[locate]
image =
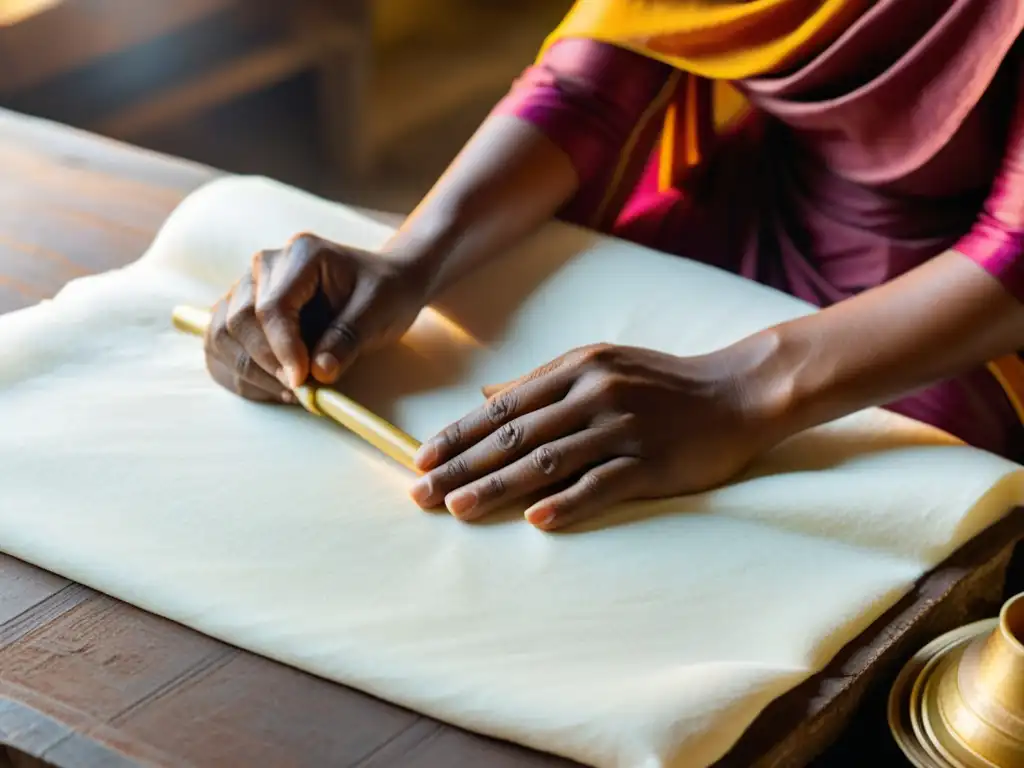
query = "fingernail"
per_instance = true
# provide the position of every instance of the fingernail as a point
(460, 503)
(426, 456)
(283, 377)
(540, 517)
(294, 379)
(421, 491)
(287, 396)
(328, 365)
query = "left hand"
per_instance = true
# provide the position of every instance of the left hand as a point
(596, 427)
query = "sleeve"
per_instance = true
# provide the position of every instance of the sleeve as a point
(603, 106)
(996, 241)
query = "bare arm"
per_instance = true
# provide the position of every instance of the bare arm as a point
(960, 310)
(935, 322)
(505, 183)
(557, 138)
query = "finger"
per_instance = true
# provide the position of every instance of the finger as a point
(232, 367)
(285, 283)
(244, 328)
(546, 465)
(340, 343)
(245, 370)
(226, 377)
(490, 390)
(223, 349)
(597, 489)
(509, 404)
(569, 359)
(500, 448)
(217, 330)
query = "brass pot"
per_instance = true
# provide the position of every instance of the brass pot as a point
(960, 702)
(978, 696)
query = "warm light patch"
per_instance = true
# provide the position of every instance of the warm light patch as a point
(13, 11)
(432, 323)
(1009, 372)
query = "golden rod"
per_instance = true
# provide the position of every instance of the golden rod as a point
(323, 401)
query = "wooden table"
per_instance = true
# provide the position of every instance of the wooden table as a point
(86, 680)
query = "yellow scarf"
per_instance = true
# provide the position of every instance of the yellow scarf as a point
(719, 40)
(716, 39)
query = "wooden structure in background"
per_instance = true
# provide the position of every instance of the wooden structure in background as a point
(162, 62)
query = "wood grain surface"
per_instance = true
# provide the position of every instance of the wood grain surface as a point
(86, 680)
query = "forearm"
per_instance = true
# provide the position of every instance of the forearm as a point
(505, 183)
(933, 323)
(553, 145)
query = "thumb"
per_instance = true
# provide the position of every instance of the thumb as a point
(490, 390)
(344, 337)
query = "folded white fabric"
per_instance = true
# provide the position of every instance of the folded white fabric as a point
(651, 641)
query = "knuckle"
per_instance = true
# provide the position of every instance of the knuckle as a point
(591, 484)
(238, 318)
(267, 308)
(604, 357)
(456, 469)
(247, 282)
(217, 327)
(609, 390)
(595, 354)
(260, 263)
(343, 333)
(546, 459)
(217, 338)
(303, 240)
(452, 436)
(501, 406)
(509, 436)
(243, 364)
(494, 487)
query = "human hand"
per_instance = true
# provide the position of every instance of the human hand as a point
(598, 426)
(307, 309)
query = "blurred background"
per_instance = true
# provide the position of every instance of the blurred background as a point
(364, 101)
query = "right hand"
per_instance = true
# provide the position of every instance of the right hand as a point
(306, 310)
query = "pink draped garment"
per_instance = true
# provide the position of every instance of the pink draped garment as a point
(810, 193)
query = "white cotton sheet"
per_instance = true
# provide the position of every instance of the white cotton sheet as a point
(652, 640)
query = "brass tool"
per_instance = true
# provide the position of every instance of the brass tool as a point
(959, 703)
(323, 401)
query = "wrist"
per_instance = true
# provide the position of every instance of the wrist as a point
(415, 270)
(764, 371)
(422, 248)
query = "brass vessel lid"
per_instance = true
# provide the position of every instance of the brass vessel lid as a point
(904, 710)
(959, 701)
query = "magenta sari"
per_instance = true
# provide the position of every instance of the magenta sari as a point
(905, 138)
